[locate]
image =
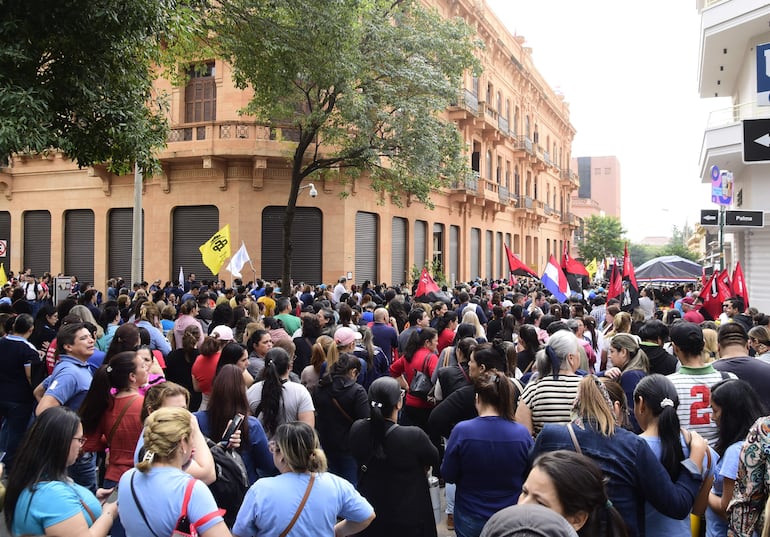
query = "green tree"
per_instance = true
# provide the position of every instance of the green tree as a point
(361, 84)
(641, 253)
(77, 76)
(602, 237)
(680, 250)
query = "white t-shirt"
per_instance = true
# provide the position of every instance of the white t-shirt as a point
(296, 399)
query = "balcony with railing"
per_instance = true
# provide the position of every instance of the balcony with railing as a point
(569, 178)
(504, 195)
(723, 138)
(502, 124)
(470, 183)
(526, 202)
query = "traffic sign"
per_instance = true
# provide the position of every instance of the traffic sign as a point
(745, 218)
(709, 217)
(756, 140)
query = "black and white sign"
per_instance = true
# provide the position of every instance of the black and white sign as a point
(709, 217)
(745, 218)
(756, 140)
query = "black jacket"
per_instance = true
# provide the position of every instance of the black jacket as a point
(660, 360)
(332, 424)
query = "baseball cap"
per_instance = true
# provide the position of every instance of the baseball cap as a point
(690, 301)
(222, 333)
(345, 336)
(529, 520)
(685, 334)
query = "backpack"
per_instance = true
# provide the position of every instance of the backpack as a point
(232, 480)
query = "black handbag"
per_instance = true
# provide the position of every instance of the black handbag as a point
(421, 384)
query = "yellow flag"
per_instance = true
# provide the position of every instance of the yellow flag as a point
(591, 267)
(3, 275)
(216, 250)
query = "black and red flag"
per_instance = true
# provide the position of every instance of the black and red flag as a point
(739, 284)
(516, 266)
(630, 299)
(577, 274)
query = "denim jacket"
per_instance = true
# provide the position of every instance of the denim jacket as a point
(635, 474)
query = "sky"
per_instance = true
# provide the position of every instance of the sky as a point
(629, 73)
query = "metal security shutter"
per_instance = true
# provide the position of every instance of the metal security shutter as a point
(121, 227)
(499, 252)
(306, 238)
(366, 247)
(37, 242)
(454, 253)
(5, 235)
(488, 245)
(420, 231)
(192, 226)
(475, 251)
(79, 244)
(754, 261)
(398, 250)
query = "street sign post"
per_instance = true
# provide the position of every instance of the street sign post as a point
(756, 140)
(745, 218)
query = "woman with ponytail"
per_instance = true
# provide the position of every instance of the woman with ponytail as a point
(305, 499)
(392, 461)
(275, 400)
(635, 474)
(655, 405)
(574, 486)
(152, 495)
(550, 398)
(630, 365)
(419, 355)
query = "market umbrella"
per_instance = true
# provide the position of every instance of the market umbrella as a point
(669, 268)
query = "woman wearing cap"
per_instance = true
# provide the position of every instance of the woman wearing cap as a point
(340, 401)
(392, 460)
(205, 367)
(276, 400)
(635, 474)
(630, 365)
(305, 499)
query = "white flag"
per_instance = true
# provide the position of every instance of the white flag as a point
(181, 277)
(240, 258)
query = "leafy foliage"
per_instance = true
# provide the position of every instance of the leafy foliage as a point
(602, 237)
(363, 84)
(77, 76)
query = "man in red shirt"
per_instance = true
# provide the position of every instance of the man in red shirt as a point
(691, 313)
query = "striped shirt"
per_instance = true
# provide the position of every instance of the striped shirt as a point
(550, 400)
(693, 385)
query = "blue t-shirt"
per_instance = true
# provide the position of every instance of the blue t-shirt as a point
(487, 457)
(69, 382)
(659, 524)
(727, 467)
(271, 503)
(52, 502)
(161, 493)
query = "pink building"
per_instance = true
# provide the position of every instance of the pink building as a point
(600, 182)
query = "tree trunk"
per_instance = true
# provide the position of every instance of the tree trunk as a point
(291, 209)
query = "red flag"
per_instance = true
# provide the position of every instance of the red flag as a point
(710, 294)
(572, 266)
(628, 268)
(724, 281)
(516, 266)
(616, 282)
(426, 284)
(739, 284)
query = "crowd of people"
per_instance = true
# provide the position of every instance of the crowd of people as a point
(255, 410)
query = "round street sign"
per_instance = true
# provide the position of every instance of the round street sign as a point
(714, 172)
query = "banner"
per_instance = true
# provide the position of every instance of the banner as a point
(216, 250)
(555, 280)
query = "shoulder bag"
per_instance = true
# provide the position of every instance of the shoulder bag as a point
(285, 532)
(421, 384)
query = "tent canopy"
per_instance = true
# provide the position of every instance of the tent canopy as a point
(669, 268)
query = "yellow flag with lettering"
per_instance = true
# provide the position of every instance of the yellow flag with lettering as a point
(592, 267)
(3, 275)
(216, 250)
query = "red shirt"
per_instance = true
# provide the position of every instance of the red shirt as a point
(124, 439)
(402, 367)
(203, 371)
(445, 339)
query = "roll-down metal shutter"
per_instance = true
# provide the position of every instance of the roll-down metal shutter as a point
(79, 244)
(454, 253)
(475, 252)
(306, 238)
(192, 226)
(398, 250)
(499, 252)
(420, 231)
(366, 247)
(488, 253)
(5, 235)
(121, 227)
(37, 242)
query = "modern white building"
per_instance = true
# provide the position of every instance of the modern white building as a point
(730, 32)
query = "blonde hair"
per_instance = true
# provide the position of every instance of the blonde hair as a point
(158, 393)
(300, 448)
(621, 324)
(710, 345)
(593, 404)
(470, 317)
(250, 329)
(164, 431)
(85, 315)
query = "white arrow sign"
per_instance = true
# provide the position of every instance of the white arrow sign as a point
(764, 140)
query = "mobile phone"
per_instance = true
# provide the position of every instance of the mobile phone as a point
(113, 497)
(236, 422)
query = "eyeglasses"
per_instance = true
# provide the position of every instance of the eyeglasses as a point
(81, 439)
(273, 447)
